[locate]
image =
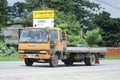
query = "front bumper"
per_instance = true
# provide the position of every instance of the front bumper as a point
(35, 56)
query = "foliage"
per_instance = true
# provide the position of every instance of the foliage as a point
(76, 40)
(1, 37)
(66, 22)
(110, 29)
(5, 51)
(69, 23)
(17, 9)
(93, 37)
(82, 9)
(70, 15)
(16, 12)
(18, 21)
(27, 19)
(3, 12)
(33, 4)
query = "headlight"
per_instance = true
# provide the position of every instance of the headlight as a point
(21, 51)
(42, 51)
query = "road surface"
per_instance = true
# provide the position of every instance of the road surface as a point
(106, 70)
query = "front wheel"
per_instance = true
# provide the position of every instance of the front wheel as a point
(90, 61)
(54, 61)
(28, 61)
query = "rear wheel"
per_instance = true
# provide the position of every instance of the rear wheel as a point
(28, 62)
(54, 61)
(90, 61)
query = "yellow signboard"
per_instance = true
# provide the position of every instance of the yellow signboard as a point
(43, 14)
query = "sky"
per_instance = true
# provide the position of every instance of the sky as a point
(111, 6)
(11, 2)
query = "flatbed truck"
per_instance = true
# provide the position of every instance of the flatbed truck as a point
(49, 45)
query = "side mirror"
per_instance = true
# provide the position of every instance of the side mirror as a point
(48, 30)
(19, 32)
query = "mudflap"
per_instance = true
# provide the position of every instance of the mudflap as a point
(97, 59)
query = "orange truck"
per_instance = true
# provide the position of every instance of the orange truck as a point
(49, 45)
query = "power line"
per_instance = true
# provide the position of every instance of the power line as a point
(108, 4)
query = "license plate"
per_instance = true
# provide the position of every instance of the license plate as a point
(30, 55)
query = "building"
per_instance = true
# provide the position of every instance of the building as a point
(11, 33)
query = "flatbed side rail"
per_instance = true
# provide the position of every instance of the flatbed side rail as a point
(86, 50)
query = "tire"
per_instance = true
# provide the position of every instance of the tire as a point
(54, 61)
(68, 62)
(28, 62)
(90, 61)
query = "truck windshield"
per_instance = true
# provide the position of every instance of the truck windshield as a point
(34, 35)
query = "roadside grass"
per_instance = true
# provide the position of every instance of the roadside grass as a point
(10, 58)
(111, 58)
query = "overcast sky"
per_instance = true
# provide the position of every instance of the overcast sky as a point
(112, 6)
(11, 2)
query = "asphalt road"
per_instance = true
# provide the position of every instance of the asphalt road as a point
(106, 70)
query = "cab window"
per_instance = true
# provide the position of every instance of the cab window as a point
(53, 35)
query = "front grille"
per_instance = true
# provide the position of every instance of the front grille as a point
(31, 52)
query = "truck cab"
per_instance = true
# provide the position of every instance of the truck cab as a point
(42, 45)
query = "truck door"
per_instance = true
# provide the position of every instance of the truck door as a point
(63, 40)
(54, 39)
(58, 39)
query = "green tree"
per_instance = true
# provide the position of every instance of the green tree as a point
(33, 4)
(69, 14)
(76, 39)
(82, 9)
(110, 29)
(93, 37)
(27, 19)
(69, 23)
(3, 12)
(18, 8)
(16, 11)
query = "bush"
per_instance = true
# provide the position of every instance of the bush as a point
(76, 40)
(93, 37)
(5, 51)
(1, 38)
